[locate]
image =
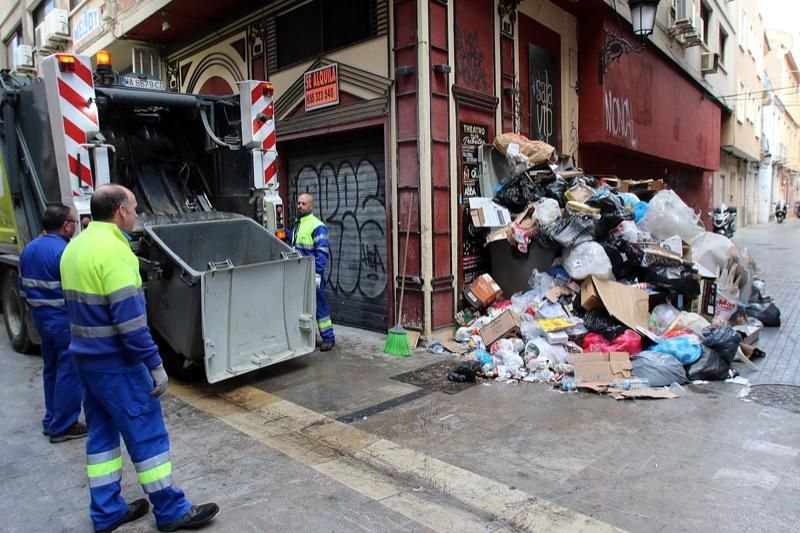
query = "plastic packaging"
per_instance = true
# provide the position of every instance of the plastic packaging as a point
(677, 389)
(601, 322)
(709, 367)
(588, 259)
(463, 334)
(624, 258)
(465, 372)
(580, 192)
(724, 340)
(612, 211)
(769, 314)
(686, 349)
(569, 384)
(689, 321)
(711, 250)
(635, 384)
(660, 369)
(629, 198)
(680, 279)
(483, 358)
(663, 316)
(629, 342)
(640, 211)
(668, 215)
(547, 212)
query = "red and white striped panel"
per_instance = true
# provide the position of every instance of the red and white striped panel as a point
(79, 114)
(258, 125)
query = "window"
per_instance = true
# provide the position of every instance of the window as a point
(705, 20)
(73, 4)
(743, 26)
(740, 103)
(14, 40)
(322, 26)
(146, 61)
(41, 11)
(723, 42)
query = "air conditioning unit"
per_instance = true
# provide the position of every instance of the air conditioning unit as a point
(22, 59)
(684, 12)
(43, 47)
(56, 27)
(709, 63)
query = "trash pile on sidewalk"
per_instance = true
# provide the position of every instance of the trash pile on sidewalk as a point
(623, 296)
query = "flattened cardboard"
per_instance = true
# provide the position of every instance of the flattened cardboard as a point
(653, 394)
(487, 214)
(454, 347)
(627, 304)
(507, 324)
(602, 368)
(554, 293)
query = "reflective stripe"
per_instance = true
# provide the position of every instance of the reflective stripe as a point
(107, 331)
(155, 486)
(105, 479)
(104, 468)
(102, 457)
(28, 282)
(151, 463)
(100, 299)
(46, 303)
(155, 474)
(325, 324)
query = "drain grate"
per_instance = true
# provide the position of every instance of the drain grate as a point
(776, 395)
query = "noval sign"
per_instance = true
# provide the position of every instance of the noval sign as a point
(322, 87)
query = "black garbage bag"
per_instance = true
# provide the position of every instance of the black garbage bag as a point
(572, 229)
(660, 369)
(518, 192)
(612, 212)
(555, 188)
(724, 340)
(544, 241)
(757, 295)
(598, 321)
(710, 366)
(465, 372)
(769, 314)
(679, 279)
(624, 257)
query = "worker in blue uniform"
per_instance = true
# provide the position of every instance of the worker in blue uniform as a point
(310, 238)
(121, 371)
(40, 284)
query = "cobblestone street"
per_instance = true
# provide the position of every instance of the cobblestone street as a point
(775, 249)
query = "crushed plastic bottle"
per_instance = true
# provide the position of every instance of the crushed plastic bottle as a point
(636, 383)
(569, 384)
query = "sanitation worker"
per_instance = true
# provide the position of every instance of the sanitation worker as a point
(41, 284)
(310, 238)
(121, 371)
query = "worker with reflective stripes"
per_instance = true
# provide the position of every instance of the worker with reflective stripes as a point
(121, 371)
(40, 284)
(310, 238)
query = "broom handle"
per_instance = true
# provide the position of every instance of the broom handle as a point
(405, 262)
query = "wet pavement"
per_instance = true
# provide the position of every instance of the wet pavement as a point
(331, 442)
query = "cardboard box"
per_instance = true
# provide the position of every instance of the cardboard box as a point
(640, 186)
(487, 214)
(597, 368)
(627, 304)
(505, 325)
(482, 292)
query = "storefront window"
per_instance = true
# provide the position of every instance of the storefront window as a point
(322, 26)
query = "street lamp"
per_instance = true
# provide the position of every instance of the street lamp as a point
(643, 19)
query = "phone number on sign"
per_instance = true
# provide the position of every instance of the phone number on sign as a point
(324, 95)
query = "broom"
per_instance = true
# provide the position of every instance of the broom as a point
(397, 342)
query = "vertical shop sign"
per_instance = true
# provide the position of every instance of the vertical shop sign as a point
(543, 95)
(474, 260)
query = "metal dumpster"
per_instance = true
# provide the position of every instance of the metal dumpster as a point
(229, 294)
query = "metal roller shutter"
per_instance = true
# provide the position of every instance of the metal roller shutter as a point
(345, 174)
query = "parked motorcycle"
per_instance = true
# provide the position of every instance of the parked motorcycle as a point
(780, 212)
(723, 220)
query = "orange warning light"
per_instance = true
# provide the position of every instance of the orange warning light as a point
(266, 89)
(66, 63)
(103, 60)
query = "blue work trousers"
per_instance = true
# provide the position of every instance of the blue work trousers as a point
(117, 402)
(62, 388)
(324, 322)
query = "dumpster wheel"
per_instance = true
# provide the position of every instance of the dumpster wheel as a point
(176, 364)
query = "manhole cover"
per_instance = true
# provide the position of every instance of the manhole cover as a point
(434, 377)
(781, 396)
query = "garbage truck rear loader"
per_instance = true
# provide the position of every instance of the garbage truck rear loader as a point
(224, 293)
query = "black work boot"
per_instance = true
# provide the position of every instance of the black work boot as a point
(326, 346)
(198, 516)
(76, 431)
(136, 510)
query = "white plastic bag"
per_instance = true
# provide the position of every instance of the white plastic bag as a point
(668, 215)
(547, 212)
(711, 250)
(587, 259)
(663, 317)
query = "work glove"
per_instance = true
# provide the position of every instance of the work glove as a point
(160, 379)
(317, 279)
(727, 291)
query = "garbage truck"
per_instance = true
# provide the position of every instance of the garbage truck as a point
(225, 294)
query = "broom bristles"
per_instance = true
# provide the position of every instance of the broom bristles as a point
(397, 342)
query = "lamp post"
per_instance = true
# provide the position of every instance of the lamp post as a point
(643, 19)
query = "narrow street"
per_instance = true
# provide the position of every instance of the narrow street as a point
(333, 443)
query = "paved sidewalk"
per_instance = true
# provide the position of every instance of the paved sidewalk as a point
(776, 249)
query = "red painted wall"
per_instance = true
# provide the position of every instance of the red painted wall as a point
(644, 103)
(474, 42)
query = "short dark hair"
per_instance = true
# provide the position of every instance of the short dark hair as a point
(54, 217)
(106, 200)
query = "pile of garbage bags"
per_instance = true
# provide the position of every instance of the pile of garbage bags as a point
(634, 274)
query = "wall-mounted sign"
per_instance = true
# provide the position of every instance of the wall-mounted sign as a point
(86, 26)
(542, 76)
(473, 136)
(322, 87)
